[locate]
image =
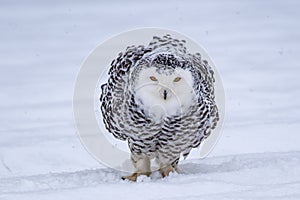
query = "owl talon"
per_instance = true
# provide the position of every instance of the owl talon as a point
(165, 171)
(132, 177)
(135, 175)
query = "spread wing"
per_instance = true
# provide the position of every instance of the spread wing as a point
(205, 89)
(113, 92)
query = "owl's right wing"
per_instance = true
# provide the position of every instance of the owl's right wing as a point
(114, 91)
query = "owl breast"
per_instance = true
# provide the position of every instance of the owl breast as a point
(157, 108)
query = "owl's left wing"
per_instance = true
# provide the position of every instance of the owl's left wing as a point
(205, 85)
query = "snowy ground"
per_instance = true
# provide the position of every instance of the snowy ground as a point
(255, 46)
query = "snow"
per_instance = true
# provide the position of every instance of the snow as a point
(247, 176)
(255, 46)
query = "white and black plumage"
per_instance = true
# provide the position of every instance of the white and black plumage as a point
(160, 98)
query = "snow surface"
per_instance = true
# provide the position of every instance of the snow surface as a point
(255, 46)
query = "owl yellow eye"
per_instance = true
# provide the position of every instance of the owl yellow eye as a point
(177, 79)
(153, 78)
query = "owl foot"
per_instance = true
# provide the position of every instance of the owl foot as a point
(134, 176)
(165, 171)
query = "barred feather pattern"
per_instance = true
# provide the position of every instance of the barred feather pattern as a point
(175, 135)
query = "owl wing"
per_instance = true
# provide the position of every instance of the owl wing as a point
(114, 91)
(204, 88)
(167, 43)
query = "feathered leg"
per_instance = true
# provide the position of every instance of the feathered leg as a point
(165, 167)
(142, 166)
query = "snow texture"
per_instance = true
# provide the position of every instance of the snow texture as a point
(255, 46)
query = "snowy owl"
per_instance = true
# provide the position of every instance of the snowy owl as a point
(160, 98)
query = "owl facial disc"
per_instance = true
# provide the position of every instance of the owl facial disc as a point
(171, 90)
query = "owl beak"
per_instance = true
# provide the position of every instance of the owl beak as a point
(165, 93)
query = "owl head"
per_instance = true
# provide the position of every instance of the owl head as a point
(163, 85)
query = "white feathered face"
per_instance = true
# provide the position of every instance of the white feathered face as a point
(165, 93)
